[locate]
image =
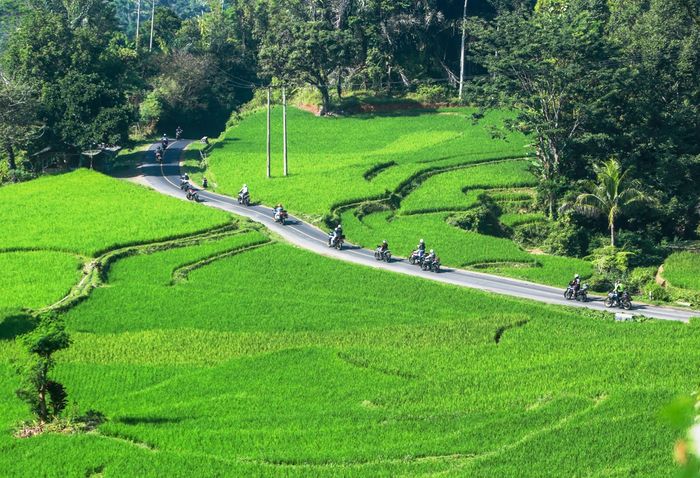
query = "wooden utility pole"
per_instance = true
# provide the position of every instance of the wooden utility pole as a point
(153, 20)
(138, 22)
(461, 59)
(268, 132)
(284, 129)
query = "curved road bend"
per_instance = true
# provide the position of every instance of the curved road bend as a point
(165, 179)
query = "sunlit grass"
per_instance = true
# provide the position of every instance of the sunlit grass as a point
(682, 269)
(246, 369)
(86, 212)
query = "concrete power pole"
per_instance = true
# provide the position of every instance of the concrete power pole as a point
(153, 20)
(138, 23)
(461, 59)
(284, 129)
(268, 132)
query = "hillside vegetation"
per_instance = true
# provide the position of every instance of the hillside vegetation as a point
(400, 177)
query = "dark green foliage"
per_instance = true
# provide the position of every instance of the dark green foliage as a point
(566, 238)
(483, 218)
(81, 89)
(46, 398)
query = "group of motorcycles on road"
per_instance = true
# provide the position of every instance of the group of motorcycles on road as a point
(618, 297)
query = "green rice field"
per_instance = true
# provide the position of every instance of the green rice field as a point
(682, 269)
(238, 355)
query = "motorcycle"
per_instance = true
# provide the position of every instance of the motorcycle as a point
(432, 265)
(619, 300)
(178, 134)
(184, 184)
(281, 216)
(382, 255)
(244, 199)
(581, 295)
(159, 156)
(335, 241)
(416, 258)
(193, 195)
(164, 143)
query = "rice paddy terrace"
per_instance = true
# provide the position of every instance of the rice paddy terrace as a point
(215, 349)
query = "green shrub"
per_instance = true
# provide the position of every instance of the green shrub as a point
(640, 278)
(531, 234)
(566, 239)
(482, 219)
(430, 94)
(151, 110)
(654, 291)
(611, 262)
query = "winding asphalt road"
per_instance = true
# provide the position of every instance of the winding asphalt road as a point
(165, 179)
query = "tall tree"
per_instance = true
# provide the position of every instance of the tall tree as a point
(609, 195)
(19, 122)
(82, 88)
(303, 46)
(556, 69)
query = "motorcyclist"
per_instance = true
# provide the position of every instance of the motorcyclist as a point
(178, 132)
(336, 234)
(164, 141)
(431, 256)
(384, 247)
(575, 284)
(279, 209)
(421, 248)
(243, 193)
(618, 290)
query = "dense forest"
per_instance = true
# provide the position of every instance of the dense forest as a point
(592, 82)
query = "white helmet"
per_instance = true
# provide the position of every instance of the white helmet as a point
(576, 276)
(384, 241)
(245, 185)
(421, 241)
(432, 251)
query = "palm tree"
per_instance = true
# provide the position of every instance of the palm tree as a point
(609, 195)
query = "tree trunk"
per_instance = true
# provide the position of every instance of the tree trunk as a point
(10, 157)
(612, 234)
(339, 86)
(43, 379)
(325, 108)
(461, 55)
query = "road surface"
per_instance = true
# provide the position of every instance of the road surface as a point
(165, 178)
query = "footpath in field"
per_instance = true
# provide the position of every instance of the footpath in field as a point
(215, 350)
(165, 177)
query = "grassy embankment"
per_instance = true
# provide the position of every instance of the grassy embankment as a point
(682, 269)
(397, 177)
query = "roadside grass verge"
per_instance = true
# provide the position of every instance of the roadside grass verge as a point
(460, 248)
